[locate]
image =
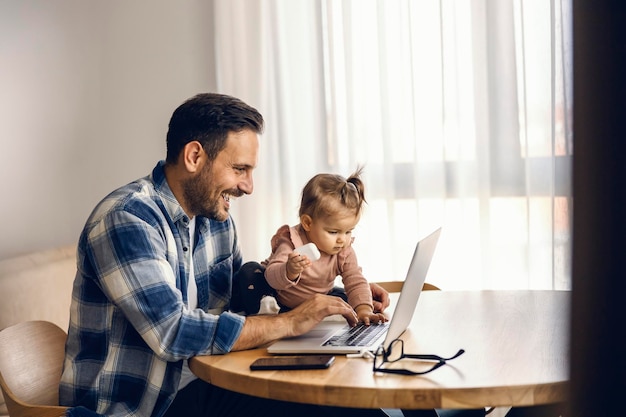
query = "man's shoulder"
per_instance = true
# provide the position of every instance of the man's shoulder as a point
(133, 206)
(145, 194)
(132, 196)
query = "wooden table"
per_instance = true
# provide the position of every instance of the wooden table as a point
(516, 345)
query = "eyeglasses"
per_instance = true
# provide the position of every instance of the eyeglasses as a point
(396, 353)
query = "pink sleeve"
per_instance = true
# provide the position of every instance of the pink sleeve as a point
(276, 264)
(356, 286)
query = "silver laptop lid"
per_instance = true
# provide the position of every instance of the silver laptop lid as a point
(412, 287)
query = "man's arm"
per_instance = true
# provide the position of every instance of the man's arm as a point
(127, 259)
(259, 330)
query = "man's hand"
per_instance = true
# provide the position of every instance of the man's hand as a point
(259, 330)
(308, 314)
(380, 297)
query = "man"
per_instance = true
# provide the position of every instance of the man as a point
(154, 280)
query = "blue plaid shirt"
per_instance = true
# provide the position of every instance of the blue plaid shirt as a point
(130, 329)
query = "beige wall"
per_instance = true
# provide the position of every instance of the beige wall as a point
(86, 91)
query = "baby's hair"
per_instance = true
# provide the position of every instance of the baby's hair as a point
(326, 194)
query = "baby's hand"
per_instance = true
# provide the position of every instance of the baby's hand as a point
(296, 263)
(367, 316)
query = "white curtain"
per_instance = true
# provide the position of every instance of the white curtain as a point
(460, 112)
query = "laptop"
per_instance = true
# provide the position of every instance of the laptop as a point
(331, 336)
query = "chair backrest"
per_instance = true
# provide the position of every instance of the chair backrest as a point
(396, 286)
(31, 361)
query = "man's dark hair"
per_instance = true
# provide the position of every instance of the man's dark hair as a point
(209, 118)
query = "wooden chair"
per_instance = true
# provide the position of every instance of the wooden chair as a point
(396, 286)
(31, 359)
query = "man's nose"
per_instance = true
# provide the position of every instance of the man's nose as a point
(247, 184)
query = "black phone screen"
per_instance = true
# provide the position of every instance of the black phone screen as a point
(293, 362)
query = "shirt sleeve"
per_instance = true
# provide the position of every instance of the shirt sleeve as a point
(133, 264)
(276, 265)
(356, 286)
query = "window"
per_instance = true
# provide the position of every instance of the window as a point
(460, 112)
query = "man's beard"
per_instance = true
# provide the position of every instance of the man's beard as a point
(201, 199)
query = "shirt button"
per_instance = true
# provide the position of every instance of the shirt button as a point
(185, 249)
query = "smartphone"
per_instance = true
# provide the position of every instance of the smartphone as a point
(293, 362)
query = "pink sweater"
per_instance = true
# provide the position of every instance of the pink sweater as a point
(319, 278)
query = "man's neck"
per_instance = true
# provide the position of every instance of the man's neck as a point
(174, 180)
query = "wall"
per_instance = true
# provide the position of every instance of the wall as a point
(86, 91)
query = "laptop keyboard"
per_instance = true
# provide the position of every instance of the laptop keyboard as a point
(360, 335)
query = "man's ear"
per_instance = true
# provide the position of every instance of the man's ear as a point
(193, 156)
(305, 221)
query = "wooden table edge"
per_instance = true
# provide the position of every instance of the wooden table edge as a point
(375, 397)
